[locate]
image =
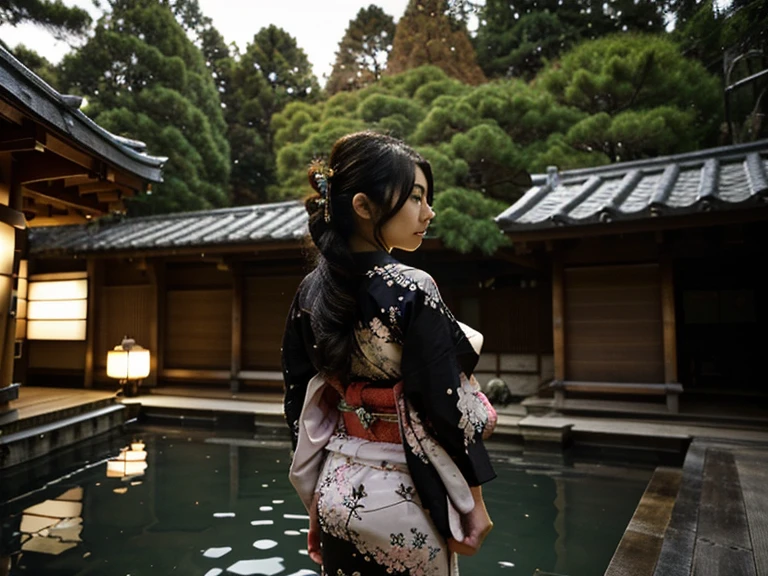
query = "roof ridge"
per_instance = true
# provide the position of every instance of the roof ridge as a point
(719, 152)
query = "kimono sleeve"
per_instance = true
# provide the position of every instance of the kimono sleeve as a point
(297, 364)
(436, 354)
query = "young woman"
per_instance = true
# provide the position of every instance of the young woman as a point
(387, 420)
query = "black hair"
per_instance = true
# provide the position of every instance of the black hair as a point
(384, 169)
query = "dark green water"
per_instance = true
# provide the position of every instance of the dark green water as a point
(230, 498)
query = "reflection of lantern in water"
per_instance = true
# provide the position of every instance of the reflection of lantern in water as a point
(53, 526)
(132, 461)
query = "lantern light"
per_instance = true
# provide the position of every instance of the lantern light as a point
(129, 363)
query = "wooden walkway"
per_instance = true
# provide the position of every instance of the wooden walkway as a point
(34, 402)
(717, 525)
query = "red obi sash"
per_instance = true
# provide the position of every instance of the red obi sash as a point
(370, 413)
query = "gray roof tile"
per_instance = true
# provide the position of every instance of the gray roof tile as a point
(717, 179)
(243, 225)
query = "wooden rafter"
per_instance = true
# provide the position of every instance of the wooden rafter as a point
(21, 145)
(36, 167)
(56, 195)
(11, 113)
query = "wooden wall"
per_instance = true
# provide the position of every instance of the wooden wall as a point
(613, 323)
(207, 321)
(265, 308)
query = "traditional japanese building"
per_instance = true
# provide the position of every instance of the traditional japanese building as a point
(56, 167)
(208, 293)
(657, 270)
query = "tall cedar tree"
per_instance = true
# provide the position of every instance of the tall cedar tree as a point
(363, 51)
(428, 35)
(514, 39)
(145, 79)
(61, 20)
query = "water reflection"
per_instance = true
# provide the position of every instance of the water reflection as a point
(130, 463)
(53, 526)
(206, 509)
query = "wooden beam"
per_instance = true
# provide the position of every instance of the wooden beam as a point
(11, 113)
(668, 319)
(156, 272)
(558, 319)
(64, 150)
(158, 319)
(21, 145)
(71, 218)
(56, 195)
(238, 293)
(517, 260)
(36, 167)
(95, 282)
(109, 196)
(96, 187)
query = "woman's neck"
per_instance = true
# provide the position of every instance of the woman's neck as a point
(358, 243)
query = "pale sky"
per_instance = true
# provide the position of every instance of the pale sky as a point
(317, 25)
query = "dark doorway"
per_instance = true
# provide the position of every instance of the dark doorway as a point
(722, 321)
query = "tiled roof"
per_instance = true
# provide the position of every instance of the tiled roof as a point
(716, 179)
(283, 221)
(26, 90)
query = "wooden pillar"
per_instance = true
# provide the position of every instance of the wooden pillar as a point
(558, 320)
(95, 269)
(11, 220)
(238, 290)
(668, 320)
(157, 321)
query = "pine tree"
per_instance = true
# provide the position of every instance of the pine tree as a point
(363, 51)
(642, 96)
(428, 35)
(145, 79)
(61, 20)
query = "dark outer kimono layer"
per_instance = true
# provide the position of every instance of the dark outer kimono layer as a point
(405, 333)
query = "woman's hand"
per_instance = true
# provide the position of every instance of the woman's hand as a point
(313, 537)
(477, 524)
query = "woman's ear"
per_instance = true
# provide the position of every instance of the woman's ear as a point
(362, 206)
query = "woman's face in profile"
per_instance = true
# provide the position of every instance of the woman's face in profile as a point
(406, 229)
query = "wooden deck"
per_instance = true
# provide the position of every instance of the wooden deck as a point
(34, 401)
(718, 525)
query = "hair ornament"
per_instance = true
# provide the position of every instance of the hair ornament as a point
(322, 176)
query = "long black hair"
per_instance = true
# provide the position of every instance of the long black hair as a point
(384, 169)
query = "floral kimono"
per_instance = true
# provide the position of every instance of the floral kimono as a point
(384, 507)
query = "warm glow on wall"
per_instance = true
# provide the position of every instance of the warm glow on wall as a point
(58, 310)
(58, 290)
(7, 247)
(56, 330)
(21, 301)
(57, 306)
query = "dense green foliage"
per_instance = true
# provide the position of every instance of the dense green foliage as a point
(54, 15)
(517, 38)
(617, 98)
(642, 97)
(573, 85)
(145, 79)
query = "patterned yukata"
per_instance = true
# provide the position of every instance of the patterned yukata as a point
(388, 508)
